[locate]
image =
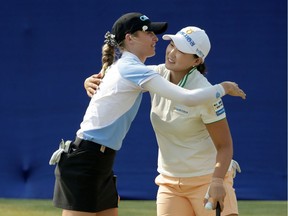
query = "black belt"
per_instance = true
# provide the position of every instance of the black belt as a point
(80, 143)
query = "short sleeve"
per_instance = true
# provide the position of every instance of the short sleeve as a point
(213, 111)
(138, 74)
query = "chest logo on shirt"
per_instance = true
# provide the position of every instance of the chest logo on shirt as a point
(218, 107)
(181, 110)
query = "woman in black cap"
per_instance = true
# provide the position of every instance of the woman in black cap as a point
(84, 173)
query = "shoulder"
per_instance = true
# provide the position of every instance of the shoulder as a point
(134, 70)
(160, 69)
(198, 80)
(131, 66)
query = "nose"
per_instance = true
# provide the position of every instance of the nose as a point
(155, 38)
(172, 51)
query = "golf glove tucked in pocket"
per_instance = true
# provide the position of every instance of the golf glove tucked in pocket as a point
(234, 167)
(63, 147)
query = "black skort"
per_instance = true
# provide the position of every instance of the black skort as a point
(85, 180)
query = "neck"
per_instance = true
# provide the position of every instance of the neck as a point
(140, 57)
(177, 77)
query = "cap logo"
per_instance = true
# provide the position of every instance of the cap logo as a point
(189, 31)
(144, 28)
(190, 41)
(187, 38)
(143, 18)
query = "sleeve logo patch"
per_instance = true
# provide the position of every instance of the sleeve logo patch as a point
(218, 107)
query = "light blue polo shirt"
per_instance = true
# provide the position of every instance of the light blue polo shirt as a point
(114, 107)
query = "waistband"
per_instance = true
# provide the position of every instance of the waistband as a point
(80, 143)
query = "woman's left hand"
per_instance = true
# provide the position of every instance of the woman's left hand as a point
(91, 84)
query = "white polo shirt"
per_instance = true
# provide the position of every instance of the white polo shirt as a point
(185, 147)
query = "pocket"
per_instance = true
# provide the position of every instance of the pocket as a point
(166, 180)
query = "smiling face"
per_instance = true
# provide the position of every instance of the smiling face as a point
(178, 61)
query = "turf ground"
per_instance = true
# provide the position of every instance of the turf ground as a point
(14, 207)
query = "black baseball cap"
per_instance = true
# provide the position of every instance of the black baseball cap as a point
(132, 22)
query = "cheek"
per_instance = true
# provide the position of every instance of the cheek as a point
(180, 59)
(168, 50)
(184, 62)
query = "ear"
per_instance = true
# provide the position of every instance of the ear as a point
(198, 61)
(128, 37)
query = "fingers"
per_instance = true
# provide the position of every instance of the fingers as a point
(91, 84)
(90, 92)
(242, 94)
(221, 203)
(205, 203)
(239, 92)
(232, 89)
(90, 89)
(236, 91)
(97, 76)
(213, 205)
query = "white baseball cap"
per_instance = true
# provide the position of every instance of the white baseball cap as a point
(191, 40)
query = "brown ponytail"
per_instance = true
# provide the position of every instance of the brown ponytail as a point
(108, 51)
(108, 56)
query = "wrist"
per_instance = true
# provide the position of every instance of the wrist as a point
(222, 89)
(225, 86)
(217, 180)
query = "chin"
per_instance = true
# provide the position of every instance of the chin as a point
(169, 65)
(169, 68)
(152, 54)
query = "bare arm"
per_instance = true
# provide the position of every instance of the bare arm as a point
(221, 137)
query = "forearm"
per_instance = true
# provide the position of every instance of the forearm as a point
(220, 134)
(223, 160)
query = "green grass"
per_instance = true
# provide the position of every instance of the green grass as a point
(263, 208)
(14, 207)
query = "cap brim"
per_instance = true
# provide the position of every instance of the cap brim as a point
(158, 27)
(179, 43)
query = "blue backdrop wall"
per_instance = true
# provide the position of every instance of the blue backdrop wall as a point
(48, 48)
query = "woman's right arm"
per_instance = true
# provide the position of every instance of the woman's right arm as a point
(164, 88)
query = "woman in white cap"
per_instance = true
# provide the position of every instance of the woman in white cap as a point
(195, 144)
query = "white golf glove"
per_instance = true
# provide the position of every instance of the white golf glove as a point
(63, 147)
(235, 167)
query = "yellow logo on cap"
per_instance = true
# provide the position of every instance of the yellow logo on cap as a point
(189, 31)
